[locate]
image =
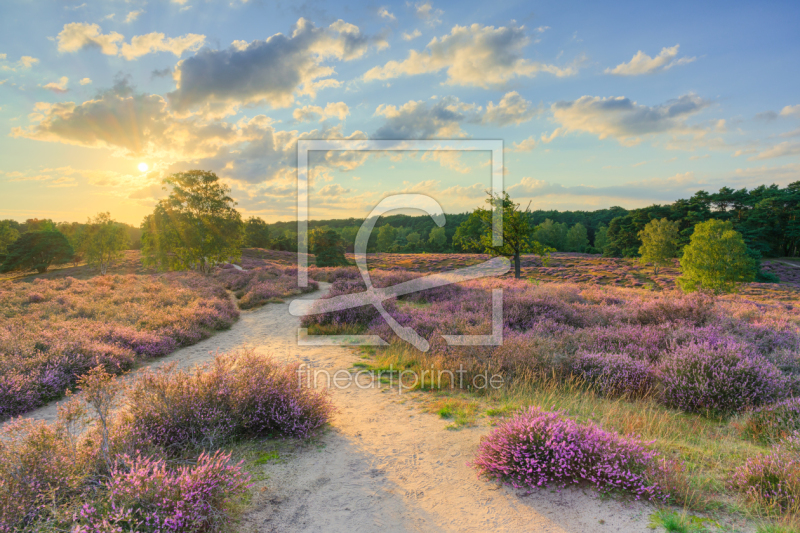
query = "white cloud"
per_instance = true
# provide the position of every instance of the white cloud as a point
(338, 110)
(428, 13)
(779, 150)
(481, 56)
(333, 190)
(642, 63)
(386, 14)
(25, 62)
(410, 36)
(59, 87)
(425, 120)
(273, 71)
(680, 185)
(791, 111)
(525, 145)
(77, 36)
(155, 42)
(512, 109)
(133, 15)
(86, 81)
(624, 119)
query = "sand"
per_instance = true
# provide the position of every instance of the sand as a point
(384, 465)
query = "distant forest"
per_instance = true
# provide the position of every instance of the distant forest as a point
(768, 217)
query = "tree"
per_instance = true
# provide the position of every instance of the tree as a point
(716, 259)
(516, 231)
(437, 238)
(468, 235)
(103, 241)
(386, 237)
(256, 233)
(348, 235)
(577, 238)
(328, 248)
(8, 234)
(195, 227)
(413, 238)
(659, 242)
(601, 238)
(37, 250)
(552, 234)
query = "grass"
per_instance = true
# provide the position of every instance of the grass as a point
(462, 411)
(680, 522)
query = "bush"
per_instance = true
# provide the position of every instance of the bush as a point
(37, 250)
(536, 448)
(718, 378)
(772, 481)
(615, 374)
(240, 394)
(772, 423)
(146, 492)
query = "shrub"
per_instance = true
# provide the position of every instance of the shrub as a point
(145, 492)
(771, 423)
(536, 448)
(772, 481)
(240, 394)
(615, 374)
(718, 378)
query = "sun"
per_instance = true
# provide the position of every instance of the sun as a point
(143, 167)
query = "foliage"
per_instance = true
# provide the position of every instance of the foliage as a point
(54, 331)
(771, 423)
(659, 242)
(386, 237)
(772, 481)
(716, 259)
(195, 227)
(516, 231)
(719, 378)
(8, 234)
(256, 233)
(328, 248)
(601, 238)
(577, 238)
(437, 238)
(102, 241)
(537, 448)
(37, 250)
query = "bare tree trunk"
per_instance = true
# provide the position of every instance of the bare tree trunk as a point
(517, 273)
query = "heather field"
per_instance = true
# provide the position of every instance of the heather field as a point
(666, 396)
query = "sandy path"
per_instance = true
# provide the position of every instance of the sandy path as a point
(386, 466)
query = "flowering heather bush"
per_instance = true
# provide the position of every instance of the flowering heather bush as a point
(144, 494)
(537, 448)
(719, 378)
(71, 326)
(772, 481)
(615, 374)
(240, 394)
(774, 422)
(263, 284)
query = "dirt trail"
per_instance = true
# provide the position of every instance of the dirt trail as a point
(386, 466)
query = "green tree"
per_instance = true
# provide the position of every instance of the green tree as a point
(552, 234)
(36, 224)
(386, 237)
(577, 238)
(516, 231)
(256, 233)
(659, 242)
(103, 241)
(716, 259)
(601, 238)
(413, 238)
(37, 250)
(8, 234)
(467, 237)
(328, 248)
(437, 239)
(348, 234)
(195, 227)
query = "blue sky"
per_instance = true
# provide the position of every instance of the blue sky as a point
(597, 106)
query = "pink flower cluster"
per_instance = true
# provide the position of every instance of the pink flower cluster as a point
(267, 283)
(537, 448)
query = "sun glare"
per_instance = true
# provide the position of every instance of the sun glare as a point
(143, 167)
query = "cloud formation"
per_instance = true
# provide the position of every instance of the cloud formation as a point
(25, 62)
(624, 119)
(642, 63)
(440, 119)
(512, 109)
(338, 110)
(271, 72)
(58, 87)
(476, 55)
(791, 111)
(779, 150)
(80, 35)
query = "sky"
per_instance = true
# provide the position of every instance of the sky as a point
(596, 105)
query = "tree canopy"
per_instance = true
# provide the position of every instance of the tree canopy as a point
(37, 250)
(102, 241)
(195, 227)
(659, 242)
